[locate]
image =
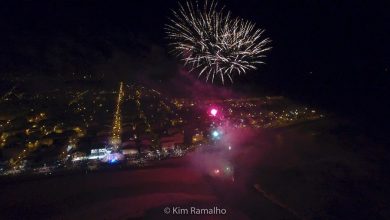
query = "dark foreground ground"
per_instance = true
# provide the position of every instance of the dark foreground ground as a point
(317, 170)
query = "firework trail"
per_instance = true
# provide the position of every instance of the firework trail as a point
(210, 41)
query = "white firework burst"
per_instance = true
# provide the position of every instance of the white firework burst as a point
(210, 41)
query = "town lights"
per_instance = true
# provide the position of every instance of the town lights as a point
(116, 129)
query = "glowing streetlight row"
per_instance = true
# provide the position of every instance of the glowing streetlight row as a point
(116, 130)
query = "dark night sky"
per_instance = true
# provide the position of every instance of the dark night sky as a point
(330, 53)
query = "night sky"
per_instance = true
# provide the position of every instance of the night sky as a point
(333, 54)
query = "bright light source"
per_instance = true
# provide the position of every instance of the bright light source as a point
(215, 133)
(214, 112)
(216, 171)
(230, 147)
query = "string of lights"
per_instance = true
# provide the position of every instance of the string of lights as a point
(117, 127)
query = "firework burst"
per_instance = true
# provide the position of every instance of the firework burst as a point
(210, 41)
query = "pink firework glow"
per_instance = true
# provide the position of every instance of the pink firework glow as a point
(214, 112)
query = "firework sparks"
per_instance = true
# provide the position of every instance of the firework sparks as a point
(214, 112)
(210, 41)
